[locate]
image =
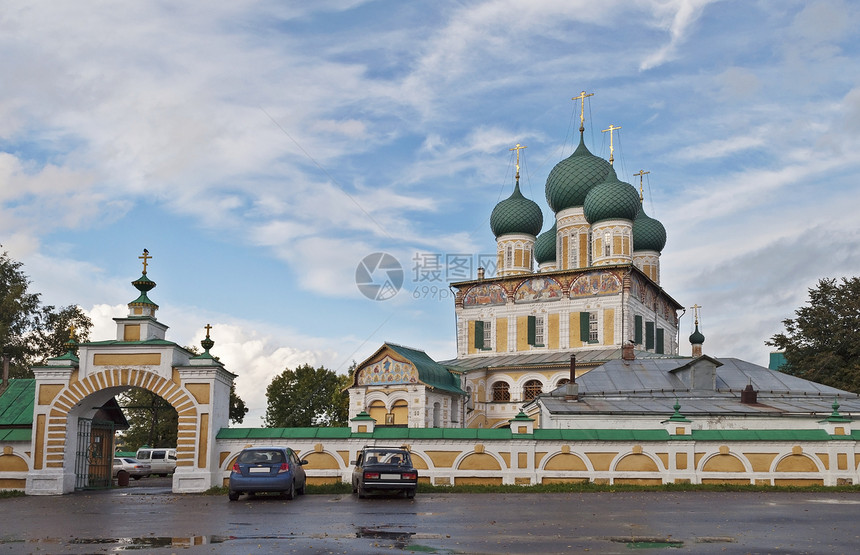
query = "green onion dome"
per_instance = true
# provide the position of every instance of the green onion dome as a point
(571, 179)
(516, 214)
(696, 338)
(648, 233)
(545, 246)
(611, 200)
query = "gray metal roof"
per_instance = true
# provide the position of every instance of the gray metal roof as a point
(537, 359)
(651, 386)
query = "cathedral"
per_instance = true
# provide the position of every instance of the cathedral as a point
(561, 302)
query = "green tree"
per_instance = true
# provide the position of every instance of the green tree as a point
(307, 397)
(152, 420)
(238, 410)
(822, 342)
(31, 333)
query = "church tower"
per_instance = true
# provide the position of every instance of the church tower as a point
(515, 222)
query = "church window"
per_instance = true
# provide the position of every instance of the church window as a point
(607, 244)
(649, 335)
(532, 389)
(509, 256)
(573, 254)
(592, 327)
(484, 335)
(501, 392)
(563, 381)
(637, 329)
(536, 326)
(658, 345)
(584, 326)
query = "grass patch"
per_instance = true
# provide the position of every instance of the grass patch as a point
(11, 493)
(586, 487)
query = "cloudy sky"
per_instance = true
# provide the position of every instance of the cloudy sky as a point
(260, 150)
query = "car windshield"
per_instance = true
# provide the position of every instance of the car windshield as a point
(386, 456)
(261, 456)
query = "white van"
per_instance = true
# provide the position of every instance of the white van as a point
(161, 459)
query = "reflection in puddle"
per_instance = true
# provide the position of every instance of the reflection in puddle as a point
(399, 538)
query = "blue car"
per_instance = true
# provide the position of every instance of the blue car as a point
(267, 469)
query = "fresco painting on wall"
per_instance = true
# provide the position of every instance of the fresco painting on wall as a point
(485, 294)
(595, 283)
(539, 289)
(388, 371)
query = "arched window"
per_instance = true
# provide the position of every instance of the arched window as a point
(501, 392)
(562, 382)
(532, 389)
(437, 415)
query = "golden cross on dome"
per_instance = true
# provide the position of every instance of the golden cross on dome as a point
(582, 96)
(696, 308)
(71, 331)
(518, 148)
(145, 257)
(611, 147)
(207, 327)
(640, 174)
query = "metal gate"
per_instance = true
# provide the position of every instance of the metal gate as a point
(94, 455)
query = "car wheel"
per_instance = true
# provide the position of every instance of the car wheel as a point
(135, 477)
(233, 495)
(291, 493)
(301, 490)
(361, 493)
(410, 494)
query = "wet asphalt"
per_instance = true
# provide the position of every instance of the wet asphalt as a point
(147, 518)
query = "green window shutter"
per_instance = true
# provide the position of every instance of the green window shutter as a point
(659, 347)
(637, 329)
(479, 334)
(532, 329)
(584, 327)
(649, 335)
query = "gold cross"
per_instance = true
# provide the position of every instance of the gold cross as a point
(582, 96)
(518, 148)
(696, 308)
(145, 257)
(71, 331)
(207, 327)
(640, 174)
(611, 148)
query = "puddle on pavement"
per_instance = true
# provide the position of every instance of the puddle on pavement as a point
(145, 543)
(399, 538)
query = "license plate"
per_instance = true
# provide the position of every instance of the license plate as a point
(389, 477)
(258, 470)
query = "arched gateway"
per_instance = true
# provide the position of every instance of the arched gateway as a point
(71, 389)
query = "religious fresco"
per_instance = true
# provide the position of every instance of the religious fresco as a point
(538, 289)
(484, 294)
(595, 283)
(388, 372)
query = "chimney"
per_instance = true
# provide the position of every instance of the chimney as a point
(572, 388)
(480, 273)
(627, 351)
(749, 396)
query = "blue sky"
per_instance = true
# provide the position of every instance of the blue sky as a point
(259, 150)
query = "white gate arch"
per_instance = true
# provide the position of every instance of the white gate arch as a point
(74, 387)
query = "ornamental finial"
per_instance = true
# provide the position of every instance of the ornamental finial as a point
(582, 96)
(145, 258)
(641, 186)
(611, 144)
(518, 148)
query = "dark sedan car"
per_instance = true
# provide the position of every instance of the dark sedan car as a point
(267, 469)
(384, 469)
